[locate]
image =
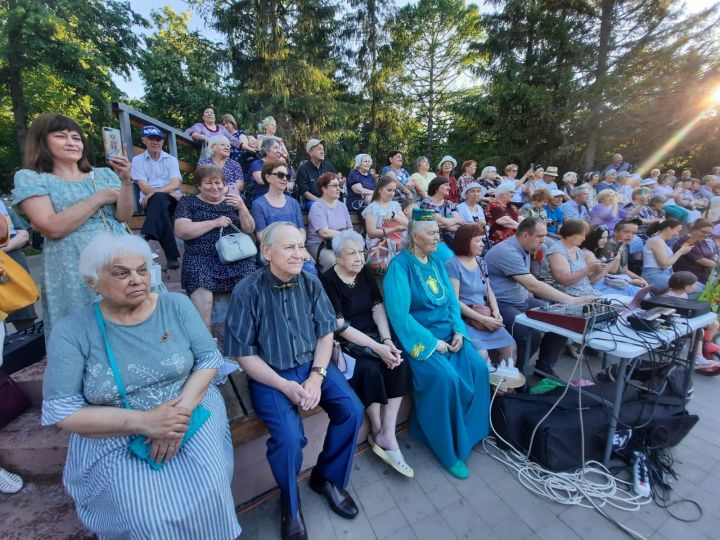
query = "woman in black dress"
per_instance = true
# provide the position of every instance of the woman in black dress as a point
(381, 378)
(198, 219)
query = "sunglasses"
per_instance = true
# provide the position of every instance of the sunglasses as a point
(281, 175)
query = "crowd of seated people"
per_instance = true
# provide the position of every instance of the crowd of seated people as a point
(433, 327)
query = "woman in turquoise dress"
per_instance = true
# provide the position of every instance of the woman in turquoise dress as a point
(68, 202)
(450, 379)
(166, 361)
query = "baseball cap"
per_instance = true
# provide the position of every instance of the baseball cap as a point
(152, 131)
(312, 143)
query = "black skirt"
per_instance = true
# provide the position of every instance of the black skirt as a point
(373, 381)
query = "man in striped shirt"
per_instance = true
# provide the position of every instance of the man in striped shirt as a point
(280, 326)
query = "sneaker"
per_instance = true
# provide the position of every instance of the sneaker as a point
(706, 367)
(173, 264)
(9, 482)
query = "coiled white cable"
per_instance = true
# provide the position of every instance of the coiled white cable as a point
(590, 486)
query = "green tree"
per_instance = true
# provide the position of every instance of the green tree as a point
(373, 65)
(284, 57)
(75, 43)
(182, 70)
(435, 37)
(634, 42)
(536, 51)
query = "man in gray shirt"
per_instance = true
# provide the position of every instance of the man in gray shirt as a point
(517, 290)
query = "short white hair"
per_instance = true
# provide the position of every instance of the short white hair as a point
(270, 234)
(106, 247)
(339, 241)
(569, 176)
(265, 122)
(487, 170)
(360, 157)
(218, 139)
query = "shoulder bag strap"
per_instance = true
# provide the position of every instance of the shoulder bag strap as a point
(229, 226)
(111, 357)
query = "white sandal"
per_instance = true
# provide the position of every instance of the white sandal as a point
(394, 458)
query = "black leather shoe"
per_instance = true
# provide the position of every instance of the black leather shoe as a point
(293, 527)
(339, 500)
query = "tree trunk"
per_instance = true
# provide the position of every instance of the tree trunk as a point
(593, 123)
(14, 70)
(431, 110)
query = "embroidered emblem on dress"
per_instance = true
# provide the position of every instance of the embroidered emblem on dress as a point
(417, 349)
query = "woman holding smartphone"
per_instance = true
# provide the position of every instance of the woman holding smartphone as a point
(68, 202)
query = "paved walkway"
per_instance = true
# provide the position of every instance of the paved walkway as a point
(492, 504)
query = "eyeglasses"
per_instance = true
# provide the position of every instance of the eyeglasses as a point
(333, 185)
(357, 254)
(281, 175)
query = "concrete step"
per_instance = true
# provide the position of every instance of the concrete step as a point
(41, 510)
(30, 380)
(29, 449)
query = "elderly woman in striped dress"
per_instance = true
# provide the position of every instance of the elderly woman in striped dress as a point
(131, 378)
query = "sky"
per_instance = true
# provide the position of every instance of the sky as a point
(133, 87)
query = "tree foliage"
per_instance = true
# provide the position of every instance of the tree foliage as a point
(57, 55)
(182, 71)
(562, 82)
(435, 37)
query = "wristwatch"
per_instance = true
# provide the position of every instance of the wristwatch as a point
(320, 371)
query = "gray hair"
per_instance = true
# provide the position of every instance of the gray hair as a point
(569, 175)
(105, 247)
(360, 157)
(218, 139)
(486, 170)
(267, 144)
(578, 190)
(339, 241)
(419, 160)
(265, 122)
(415, 227)
(270, 233)
(609, 172)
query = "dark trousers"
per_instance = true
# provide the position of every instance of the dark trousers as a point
(287, 438)
(550, 344)
(159, 223)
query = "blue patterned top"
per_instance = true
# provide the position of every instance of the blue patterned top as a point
(232, 170)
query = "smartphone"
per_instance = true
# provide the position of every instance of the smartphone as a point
(532, 167)
(608, 260)
(233, 189)
(112, 142)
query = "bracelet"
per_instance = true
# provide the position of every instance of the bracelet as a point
(386, 339)
(384, 232)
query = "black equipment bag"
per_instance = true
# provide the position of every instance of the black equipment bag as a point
(644, 421)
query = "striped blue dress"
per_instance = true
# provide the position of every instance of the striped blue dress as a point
(117, 495)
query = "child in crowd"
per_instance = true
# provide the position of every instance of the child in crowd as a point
(680, 284)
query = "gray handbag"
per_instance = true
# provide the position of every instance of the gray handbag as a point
(235, 247)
